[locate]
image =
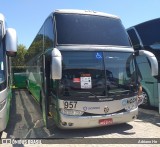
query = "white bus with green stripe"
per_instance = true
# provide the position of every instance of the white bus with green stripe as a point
(8, 47)
(82, 70)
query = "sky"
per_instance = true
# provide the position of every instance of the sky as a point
(27, 16)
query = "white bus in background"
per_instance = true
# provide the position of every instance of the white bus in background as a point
(8, 48)
(81, 70)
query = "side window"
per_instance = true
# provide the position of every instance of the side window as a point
(134, 39)
(36, 47)
(2, 63)
(48, 33)
(39, 64)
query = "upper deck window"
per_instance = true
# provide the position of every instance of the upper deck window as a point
(90, 29)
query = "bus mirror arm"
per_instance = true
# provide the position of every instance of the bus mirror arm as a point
(153, 60)
(56, 66)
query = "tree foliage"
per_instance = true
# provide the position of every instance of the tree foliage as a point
(25, 56)
(19, 60)
(35, 48)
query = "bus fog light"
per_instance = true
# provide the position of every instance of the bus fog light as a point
(2, 104)
(134, 117)
(70, 124)
(64, 123)
(71, 112)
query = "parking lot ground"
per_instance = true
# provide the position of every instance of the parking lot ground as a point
(26, 123)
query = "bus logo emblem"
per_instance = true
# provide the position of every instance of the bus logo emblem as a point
(106, 109)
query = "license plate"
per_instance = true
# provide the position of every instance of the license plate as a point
(108, 121)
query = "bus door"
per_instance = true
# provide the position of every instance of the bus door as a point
(43, 89)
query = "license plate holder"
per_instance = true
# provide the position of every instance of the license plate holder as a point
(107, 121)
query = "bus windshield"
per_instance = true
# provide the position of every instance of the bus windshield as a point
(90, 29)
(149, 33)
(97, 74)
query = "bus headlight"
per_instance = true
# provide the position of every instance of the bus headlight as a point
(71, 112)
(2, 104)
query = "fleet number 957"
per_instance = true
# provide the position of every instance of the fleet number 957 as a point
(70, 104)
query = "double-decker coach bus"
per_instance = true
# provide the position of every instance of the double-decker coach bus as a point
(82, 70)
(146, 36)
(8, 47)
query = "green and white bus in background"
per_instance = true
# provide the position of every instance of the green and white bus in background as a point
(8, 47)
(82, 70)
(146, 36)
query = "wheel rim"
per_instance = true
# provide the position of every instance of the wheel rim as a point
(145, 96)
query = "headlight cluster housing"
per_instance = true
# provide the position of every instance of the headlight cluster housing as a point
(130, 103)
(71, 112)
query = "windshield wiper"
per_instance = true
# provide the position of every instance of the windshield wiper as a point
(92, 95)
(119, 93)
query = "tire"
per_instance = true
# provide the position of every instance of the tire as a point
(146, 102)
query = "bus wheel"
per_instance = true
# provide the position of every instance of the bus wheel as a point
(146, 99)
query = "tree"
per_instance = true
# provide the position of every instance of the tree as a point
(19, 60)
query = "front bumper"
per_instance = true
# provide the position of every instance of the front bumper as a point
(3, 111)
(76, 122)
(3, 117)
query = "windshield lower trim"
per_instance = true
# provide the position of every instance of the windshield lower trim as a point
(94, 99)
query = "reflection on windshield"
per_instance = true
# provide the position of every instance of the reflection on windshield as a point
(2, 73)
(90, 29)
(155, 45)
(97, 73)
(0, 32)
(149, 32)
(120, 74)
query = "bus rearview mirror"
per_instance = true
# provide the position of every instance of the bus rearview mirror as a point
(11, 42)
(56, 66)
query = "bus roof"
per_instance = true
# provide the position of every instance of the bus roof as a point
(88, 12)
(146, 22)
